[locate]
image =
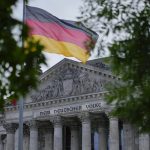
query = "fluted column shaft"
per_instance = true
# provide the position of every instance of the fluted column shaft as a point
(33, 135)
(74, 137)
(58, 143)
(86, 131)
(49, 138)
(10, 139)
(113, 134)
(144, 142)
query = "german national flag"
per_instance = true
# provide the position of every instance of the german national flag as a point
(59, 36)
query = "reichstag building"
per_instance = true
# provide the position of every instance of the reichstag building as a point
(68, 112)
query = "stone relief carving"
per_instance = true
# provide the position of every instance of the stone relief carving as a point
(26, 130)
(70, 82)
(10, 127)
(33, 124)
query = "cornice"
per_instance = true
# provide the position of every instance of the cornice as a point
(57, 102)
(77, 65)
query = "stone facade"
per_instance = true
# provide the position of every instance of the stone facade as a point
(68, 112)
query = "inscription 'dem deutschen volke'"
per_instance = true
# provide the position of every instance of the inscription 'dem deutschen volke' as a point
(68, 109)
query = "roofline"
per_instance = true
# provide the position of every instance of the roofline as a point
(79, 64)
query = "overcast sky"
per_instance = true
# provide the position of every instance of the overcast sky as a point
(63, 9)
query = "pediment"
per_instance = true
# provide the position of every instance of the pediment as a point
(70, 78)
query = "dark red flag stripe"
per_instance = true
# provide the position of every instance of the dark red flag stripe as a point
(37, 14)
(58, 32)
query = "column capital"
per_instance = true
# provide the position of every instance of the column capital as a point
(113, 118)
(56, 120)
(26, 130)
(10, 127)
(85, 117)
(32, 124)
(109, 115)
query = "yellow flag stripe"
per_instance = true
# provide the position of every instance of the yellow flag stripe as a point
(65, 48)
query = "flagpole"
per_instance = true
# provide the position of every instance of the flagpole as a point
(21, 103)
(20, 133)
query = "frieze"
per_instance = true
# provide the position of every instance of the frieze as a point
(75, 108)
(70, 82)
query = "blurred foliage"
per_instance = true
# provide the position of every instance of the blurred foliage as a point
(18, 72)
(124, 28)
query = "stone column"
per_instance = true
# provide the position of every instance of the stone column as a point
(33, 135)
(144, 142)
(113, 134)
(16, 139)
(4, 143)
(1, 144)
(103, 137)
(128, 137)
(10, 139)
(26, 139)
(86, 131)
(58, 142)
(49, 138)
(74, 137)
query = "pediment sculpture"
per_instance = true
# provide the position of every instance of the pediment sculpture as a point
(70, 82)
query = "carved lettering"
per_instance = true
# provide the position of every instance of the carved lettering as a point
(45, 113)
(90, 106)
(70, 109)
